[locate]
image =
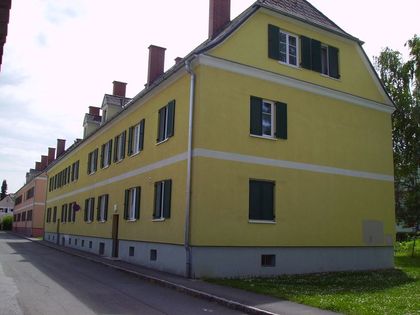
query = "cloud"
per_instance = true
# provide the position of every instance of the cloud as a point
(11, 77)
(41, 39)
(57, 12)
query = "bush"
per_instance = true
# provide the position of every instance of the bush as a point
(6, 223)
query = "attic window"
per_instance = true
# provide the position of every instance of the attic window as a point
(282, 46)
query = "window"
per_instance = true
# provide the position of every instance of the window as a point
(132, 203)
(119, 146)
(51, 184)
(89, 209)
(162, 207)
(30, 193)
(136, 138)
(282, 46)
(71, 215)
(24, 216)
(166, 121)
(29, 215)
(18, 200)
(75, 171)
(102, 214)
(268, 260)
(261, 200)
(64, 213)
(131, 251)
(18, 217)
(54, 218)
(106, 153)
(268, 118)
(48, 215)
(153, 254)
(92, 162)
(319, 57)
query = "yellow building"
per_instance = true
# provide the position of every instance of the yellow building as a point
(266, 150)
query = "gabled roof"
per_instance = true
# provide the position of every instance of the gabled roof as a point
(306, 12)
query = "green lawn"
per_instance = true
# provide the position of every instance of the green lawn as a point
(394, 291)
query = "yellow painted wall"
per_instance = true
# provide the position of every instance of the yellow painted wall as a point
(249, 45)
(311, 209)
(170, 230)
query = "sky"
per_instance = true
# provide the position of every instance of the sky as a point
(61, 56)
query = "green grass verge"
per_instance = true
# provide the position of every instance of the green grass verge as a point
(395, 291)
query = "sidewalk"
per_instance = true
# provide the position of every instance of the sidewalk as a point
(244, 301)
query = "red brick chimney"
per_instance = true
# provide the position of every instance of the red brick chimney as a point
(156, 63)
(119, 88)
(61, 144)
(93, 110)
(219, 16)
(51, 155)
(44, 162)
(38, 167)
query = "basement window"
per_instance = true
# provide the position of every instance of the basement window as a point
(131, 251)
(153, 254)
(268, 260)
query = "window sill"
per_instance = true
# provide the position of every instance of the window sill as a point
(158, 220)
(131, 220)
(92, 173)
(264, 137)
(163, 141)
(261, 222)
(289, 65)
(329, 77)
(105, 167)
(102, 221)
(134, 154)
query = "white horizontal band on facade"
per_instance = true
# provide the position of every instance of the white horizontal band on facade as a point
(29, 206)
(226, 156)
(139, 171)
(289, 165)
(291, 82)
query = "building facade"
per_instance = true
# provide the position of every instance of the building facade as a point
(266, 150)
(6, 206)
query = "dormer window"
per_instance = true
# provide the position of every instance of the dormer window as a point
(282, 46)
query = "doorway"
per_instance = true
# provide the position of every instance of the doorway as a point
(115, 219)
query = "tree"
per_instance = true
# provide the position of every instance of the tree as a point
(3, 190)
(402, 81)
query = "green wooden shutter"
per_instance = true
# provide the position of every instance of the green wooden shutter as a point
(106, 208)
(95, 160)
(333, 62)
(137, 210)
(123, 138)
(141, 138)
(167, 198)
(171, 119)
(267, 198)
(98, 209)
(256, 116)
(109, 151)
(254, 200)
(316, 55)
(86, 211)
(88, 165)
(115, 149)
(305, 52)
(161, 124)
(281, 120)
(273, 42)
(130, 141)
(126, 200)
(92, 213)
(157, 203)
(103, 155)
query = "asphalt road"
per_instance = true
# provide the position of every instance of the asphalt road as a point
(36, 280)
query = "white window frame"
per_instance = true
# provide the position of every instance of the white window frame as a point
(90, 210)
(107, 155)
(324, 49)
(273, 120)
(288, 35)
(136, 139)
(132, 204)
(93, 161)
(101, 207)
(119, 146)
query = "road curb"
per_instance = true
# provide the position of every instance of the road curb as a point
(165, 283)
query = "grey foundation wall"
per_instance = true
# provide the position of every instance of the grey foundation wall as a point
(216, 262)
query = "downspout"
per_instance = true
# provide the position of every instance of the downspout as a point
(187, 236)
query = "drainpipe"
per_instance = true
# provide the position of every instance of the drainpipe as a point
(187, 236)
